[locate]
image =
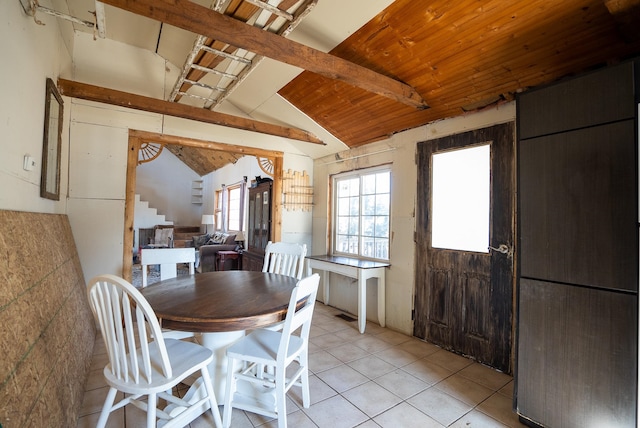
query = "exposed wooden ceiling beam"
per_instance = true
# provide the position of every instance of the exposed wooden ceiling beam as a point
(627, 16)
(204, 21)
(152, 137)
(138, 102)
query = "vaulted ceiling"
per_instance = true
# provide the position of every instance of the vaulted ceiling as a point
(461, 56)
(373, 67)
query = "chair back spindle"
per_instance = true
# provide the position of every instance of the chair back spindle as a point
(284, 258)
(126, 320)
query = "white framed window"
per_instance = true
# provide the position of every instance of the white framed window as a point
(229, 207)
(234, 214)
(361, 213)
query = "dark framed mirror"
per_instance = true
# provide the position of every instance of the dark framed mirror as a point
(52, 143)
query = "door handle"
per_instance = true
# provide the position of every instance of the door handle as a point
(504, 249)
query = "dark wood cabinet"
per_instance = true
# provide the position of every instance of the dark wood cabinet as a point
(258, 226)
(577, 317)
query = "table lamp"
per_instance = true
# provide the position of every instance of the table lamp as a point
(240, 239)
(207, 219)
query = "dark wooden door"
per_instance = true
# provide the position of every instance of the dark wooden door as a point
(464, 300)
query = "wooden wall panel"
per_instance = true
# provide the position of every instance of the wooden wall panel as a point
(578, 207)
(46, 327)
(579, 367)
(594, 99)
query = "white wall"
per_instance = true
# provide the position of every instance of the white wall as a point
(230, 174)
(166, 183)
(97, 181)
(398, 150)
(30, 53)
(99, 141)
(296, 225)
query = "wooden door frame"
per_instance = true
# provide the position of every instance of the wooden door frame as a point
(137, 138)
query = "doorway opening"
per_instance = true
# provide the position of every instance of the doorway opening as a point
(138, 138)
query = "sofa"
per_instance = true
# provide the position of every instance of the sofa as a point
(208, 247)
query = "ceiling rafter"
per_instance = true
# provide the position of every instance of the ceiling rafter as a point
(138, 102)
(211, 54)
(201, 20)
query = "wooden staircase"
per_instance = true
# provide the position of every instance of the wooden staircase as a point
(183, 235)
(146, 218)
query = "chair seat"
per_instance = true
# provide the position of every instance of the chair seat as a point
(261, 346)
(185, 357)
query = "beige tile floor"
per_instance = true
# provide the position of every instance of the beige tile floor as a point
(377, 379)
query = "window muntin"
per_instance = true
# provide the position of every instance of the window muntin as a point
(362, 213)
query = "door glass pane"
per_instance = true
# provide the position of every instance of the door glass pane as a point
(460, 199)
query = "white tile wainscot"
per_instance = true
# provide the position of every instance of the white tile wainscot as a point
(358, 269)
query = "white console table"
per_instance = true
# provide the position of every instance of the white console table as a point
(358, 269)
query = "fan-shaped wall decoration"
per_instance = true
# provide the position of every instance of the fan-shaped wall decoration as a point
(266, 165)
(148, 152)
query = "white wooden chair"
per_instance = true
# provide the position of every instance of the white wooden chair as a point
(142, 364)
(284, 258)
(275, 350)
(168, 259)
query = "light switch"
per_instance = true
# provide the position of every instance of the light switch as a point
(29, 163)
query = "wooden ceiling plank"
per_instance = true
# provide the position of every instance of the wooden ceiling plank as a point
(510, 55)
(202, 161)
(465, 72)
(457, 60)
(448, 38)
(201, 20)
(495, 34)
(138, 102)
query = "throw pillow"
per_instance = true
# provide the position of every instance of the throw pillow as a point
(200, 240)
(163, 236)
